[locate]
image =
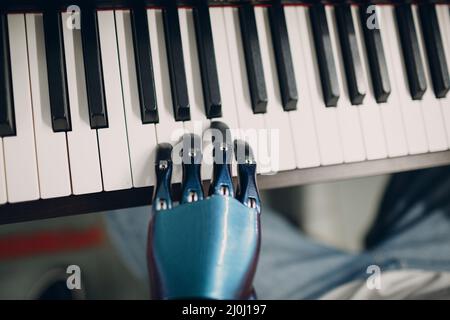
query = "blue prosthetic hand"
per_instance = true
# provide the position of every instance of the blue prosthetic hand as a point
(206, 247)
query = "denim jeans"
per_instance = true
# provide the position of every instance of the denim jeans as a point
(411, 231)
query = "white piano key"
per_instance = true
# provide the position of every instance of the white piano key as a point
(82, 140)
(141, 137)
(19, 151)
(3, 197)
(411, 109)
(302, 119)
(392, 123)
(51, 147)
(251, 125)
(275, 117)
(394, 98)
(327, 127)
(199, 122)
(113, 145)
(444, 26)
(347, 114)
(431, 107)
(229, 107)
(192, 68)
(443, 14)
(167, 130)
(369, 111)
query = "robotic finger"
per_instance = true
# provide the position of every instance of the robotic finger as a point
(162, 199)
(248, 190)
(222, 182)
(192, 189)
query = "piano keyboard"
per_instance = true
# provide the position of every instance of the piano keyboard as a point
(82, 109)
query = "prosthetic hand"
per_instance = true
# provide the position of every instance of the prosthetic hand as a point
(206, 247)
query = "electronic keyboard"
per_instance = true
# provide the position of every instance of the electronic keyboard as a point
(89, 88)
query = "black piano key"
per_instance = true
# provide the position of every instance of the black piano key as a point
(435, 49)
(7, 119)
(93, 67)
(144, 66)
(411, 52)
(207, 59)
(325, 57)
(56, 69)
(350, 52)
(253, 60)
(283, 57)
(376, 56)
(174, 48)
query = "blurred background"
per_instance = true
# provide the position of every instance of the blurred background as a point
(34, 255)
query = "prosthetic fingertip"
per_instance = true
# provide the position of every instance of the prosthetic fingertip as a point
(219, 125)
(164, 152)
(192, 149)
(162, 198)
(247, 188)
(192, 189)
(243, 152)
(225, 133)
